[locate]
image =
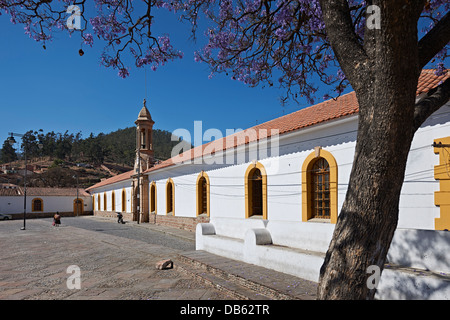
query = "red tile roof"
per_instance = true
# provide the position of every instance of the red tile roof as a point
(344, 105)
(428, 80)
(36, 192)
(120, 177)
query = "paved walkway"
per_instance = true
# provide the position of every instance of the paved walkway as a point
(34, 265)
(226, 273)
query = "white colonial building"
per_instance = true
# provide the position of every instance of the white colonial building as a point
(270, 195)
(43, 202)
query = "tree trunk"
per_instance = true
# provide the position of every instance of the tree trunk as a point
(384, 74)
(369, 215)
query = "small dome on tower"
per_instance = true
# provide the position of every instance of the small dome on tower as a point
(144, 114)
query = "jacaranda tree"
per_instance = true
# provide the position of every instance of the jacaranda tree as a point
(377, 47)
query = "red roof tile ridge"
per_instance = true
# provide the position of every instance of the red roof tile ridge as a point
(117, 178)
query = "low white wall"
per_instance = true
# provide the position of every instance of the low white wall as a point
(299, 249)
(15, 204)
(423, 249)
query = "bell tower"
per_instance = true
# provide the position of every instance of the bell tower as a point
(144, 160)
(144, 140)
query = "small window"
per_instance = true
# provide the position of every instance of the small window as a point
(170, 197)
(124, 201)
(256, 191)
(203, 194)
(320, 187)
(113, 201)
(37, 205)
(153, 197)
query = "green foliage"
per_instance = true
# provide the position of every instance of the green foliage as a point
(7, 153)
(115, 147)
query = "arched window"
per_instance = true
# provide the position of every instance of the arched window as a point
(202, 190)
(105, 202)
(124, 200)
(319, 187)
(170, 197)
(98, 202)
(153, 197)
(113, 201)
(37, 205)
(256, 191)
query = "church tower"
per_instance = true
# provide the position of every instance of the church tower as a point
(144, 160)
(144, 137)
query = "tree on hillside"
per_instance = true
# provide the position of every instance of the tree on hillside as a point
(374, 46)
(7, 153)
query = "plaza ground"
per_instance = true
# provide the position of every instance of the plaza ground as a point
(117, 262)
(34, 263)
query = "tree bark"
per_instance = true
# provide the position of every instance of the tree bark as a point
(386, 97)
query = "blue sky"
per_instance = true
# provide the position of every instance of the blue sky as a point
(56, 89)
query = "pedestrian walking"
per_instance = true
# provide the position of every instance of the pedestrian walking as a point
(120, 218)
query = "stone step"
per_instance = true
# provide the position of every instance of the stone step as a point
(264, 283)
(247, 281)
(228, 287)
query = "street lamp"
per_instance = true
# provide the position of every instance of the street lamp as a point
(77, 202)
(11, 142)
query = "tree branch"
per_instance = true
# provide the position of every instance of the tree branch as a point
(433, 42)
(343, 39)
(435, 99)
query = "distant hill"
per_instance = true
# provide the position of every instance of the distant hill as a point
(119, 146)
(61, 158)
(115, 147)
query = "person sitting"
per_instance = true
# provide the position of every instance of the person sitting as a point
(56, 219)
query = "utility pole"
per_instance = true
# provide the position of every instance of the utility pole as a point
(11, 142)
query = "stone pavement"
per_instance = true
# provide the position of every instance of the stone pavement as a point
(236, 277)
(34, 265)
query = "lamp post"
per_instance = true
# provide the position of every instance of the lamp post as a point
(77, 202)
(11, 142)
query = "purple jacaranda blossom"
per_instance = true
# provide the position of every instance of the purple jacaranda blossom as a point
(341, 75)
(123, 73)
(440, 69)
(255, 41)
(88, 39)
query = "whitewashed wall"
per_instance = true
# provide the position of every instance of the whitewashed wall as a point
(14, 204)
(227, 194)
(117, 188)
(417, 209)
